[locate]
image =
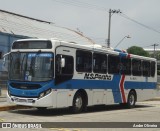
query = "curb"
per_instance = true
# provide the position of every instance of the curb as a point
(13, 107)
(154, 99)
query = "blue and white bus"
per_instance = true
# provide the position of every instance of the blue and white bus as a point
(57, 74)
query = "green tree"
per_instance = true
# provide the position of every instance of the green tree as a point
(157, 55)
(137, 51)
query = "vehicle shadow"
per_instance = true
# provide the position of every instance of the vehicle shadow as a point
(66, 111)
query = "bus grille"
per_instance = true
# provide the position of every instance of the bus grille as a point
(25, 86)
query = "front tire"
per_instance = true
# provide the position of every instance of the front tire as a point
(131, 99)
(78, 103)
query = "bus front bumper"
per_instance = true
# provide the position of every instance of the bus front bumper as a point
(46, 101)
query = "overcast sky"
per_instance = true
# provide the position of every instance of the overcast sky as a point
(91, 18)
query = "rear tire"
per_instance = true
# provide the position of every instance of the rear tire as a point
(78, 103)
(131, 99)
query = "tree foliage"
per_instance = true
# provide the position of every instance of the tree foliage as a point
(157, 55)
(137, 51)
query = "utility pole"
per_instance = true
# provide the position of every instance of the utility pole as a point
(111, 12)
(154, 45)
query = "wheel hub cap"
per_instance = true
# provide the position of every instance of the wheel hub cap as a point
(78, 102)
(131, 100)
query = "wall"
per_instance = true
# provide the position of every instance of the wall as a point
(6, 41)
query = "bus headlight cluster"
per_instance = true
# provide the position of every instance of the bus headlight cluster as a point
(42, 94)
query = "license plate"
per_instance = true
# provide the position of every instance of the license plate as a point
(20, 100)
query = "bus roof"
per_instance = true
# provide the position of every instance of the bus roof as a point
(95, 47)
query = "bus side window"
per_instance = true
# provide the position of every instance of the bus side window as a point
(153, 68)
(83, 61)
(136, 67)
(126, 68)
(113, 64)
(100, 63)
(146, 68)
(68, 69)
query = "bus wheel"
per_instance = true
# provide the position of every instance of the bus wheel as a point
(78, 103)
(131, 100)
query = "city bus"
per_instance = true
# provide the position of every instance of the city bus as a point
(52, 73)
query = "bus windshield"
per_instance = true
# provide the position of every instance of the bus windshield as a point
(31, 66)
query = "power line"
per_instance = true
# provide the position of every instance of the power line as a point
(95, 7)
(89, 5)
(146, 46)
(150, 45)
(135, 21)
(81, 5)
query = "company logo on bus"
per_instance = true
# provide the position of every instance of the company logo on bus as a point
(97, 76)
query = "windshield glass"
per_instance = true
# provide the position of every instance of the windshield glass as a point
(31, 66)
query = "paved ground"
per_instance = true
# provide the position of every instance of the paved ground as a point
(148, 111)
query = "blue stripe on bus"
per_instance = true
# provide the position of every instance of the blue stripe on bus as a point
(100, 84)
(87, 84)
(140, 85)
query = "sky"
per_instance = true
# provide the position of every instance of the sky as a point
(91, 17)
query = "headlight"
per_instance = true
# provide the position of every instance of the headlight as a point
(48, 91)
(42, 94)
